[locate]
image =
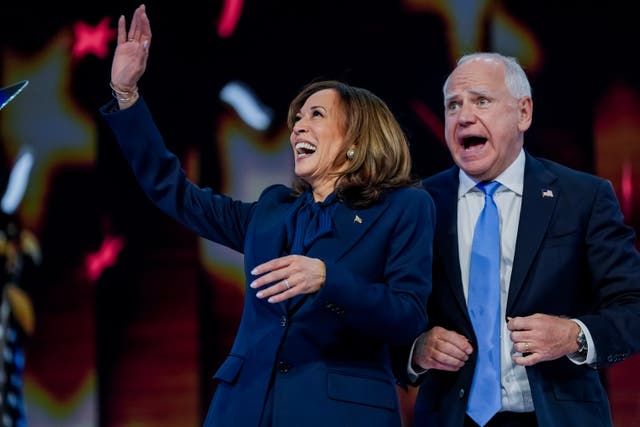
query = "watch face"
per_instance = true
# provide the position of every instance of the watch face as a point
(582, 342)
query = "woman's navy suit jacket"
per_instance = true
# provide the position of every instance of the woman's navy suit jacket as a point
(327, 355)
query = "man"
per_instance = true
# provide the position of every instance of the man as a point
(567, 297)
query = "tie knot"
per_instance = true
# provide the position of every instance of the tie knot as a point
(488, 188)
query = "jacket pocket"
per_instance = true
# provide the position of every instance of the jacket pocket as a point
(230, 369)
(363, 390)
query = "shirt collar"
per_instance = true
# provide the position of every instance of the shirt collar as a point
(512, 178)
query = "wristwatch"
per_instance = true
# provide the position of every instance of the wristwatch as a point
(583, 347)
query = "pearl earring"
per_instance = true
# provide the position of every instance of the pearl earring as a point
(351, 153)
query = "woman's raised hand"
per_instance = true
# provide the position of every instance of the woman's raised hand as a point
(132, 51)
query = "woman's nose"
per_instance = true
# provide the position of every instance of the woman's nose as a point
(299, 127)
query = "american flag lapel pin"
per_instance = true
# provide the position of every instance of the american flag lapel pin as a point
(357, 219)
(547, 192)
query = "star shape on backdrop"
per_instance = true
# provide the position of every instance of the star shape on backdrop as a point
(229, 17)
(106, 256)
(46, 118)
(92, 40)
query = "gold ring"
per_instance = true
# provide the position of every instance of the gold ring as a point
(286, 283)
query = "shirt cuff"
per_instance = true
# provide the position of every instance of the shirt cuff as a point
(412, 373)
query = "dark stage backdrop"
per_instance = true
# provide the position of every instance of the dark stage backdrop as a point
(133, 313)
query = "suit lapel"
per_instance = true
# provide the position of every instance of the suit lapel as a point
(539, 200)
(270, 238)
(445, 194)
(349, 225)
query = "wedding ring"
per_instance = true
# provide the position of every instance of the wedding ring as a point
(286, 283)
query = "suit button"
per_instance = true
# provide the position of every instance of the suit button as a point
(284, 321)
(461, 393)
(283, 367)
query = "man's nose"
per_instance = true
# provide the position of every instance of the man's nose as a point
(466, 114)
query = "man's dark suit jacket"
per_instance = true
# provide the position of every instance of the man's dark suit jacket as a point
(326, 356)
(574, 257)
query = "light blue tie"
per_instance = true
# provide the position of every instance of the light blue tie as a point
(484, 308)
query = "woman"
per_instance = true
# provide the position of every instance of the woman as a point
(339, 268)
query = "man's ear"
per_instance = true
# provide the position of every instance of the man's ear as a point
(525, 113)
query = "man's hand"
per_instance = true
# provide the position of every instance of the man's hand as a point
(439, 348)
(541, 337)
